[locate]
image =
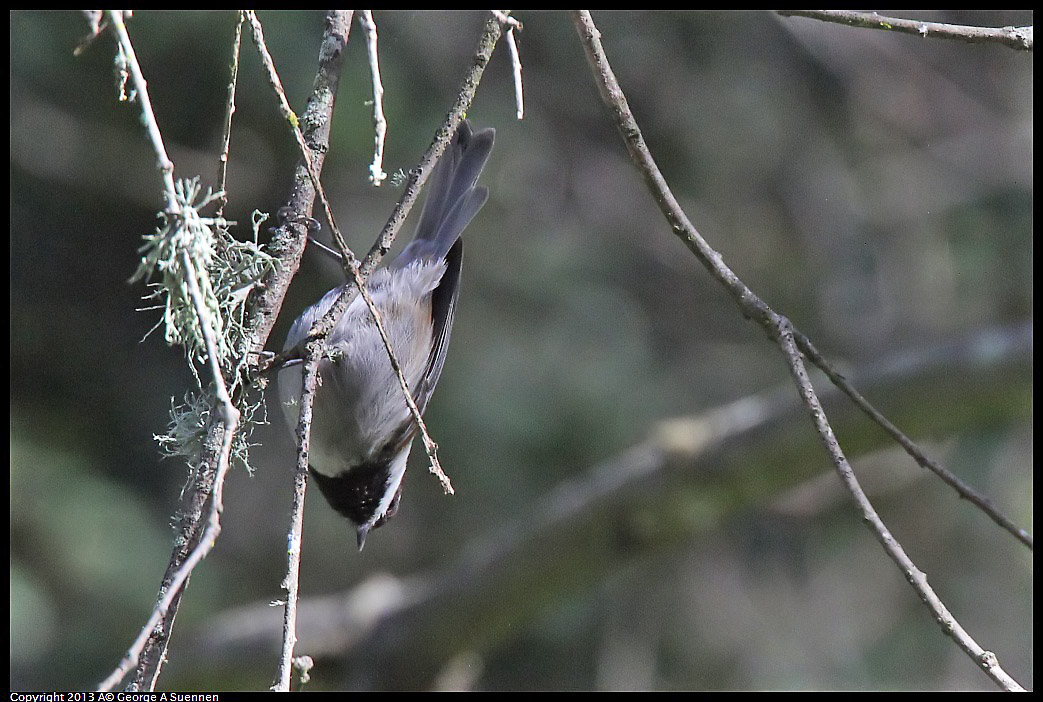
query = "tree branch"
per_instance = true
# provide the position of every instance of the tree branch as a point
(291, 583)
(965, 491)
(1014, 37)
(775, 325)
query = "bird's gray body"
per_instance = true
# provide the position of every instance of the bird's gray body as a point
(361, 426)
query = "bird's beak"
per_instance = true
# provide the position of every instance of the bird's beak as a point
(362, 532)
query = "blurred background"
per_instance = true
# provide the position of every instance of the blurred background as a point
(874, 187)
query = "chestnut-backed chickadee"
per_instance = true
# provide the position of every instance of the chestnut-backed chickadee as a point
(361, 428)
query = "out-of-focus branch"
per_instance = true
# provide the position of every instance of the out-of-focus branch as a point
(778, 328)
(692, 475)
(1014, 37)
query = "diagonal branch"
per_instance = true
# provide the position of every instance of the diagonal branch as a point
(918, 579)
(777, 327)
(965, 491)
(323, 326)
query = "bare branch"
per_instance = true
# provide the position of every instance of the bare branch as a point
(1014, 37)
(226, 132)
(291, 583)
(163, 162)
(986, 660)
(965, 491)
(513, 24)
(380, 125)
(778, 328)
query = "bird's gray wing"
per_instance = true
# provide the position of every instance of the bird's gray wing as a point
(443, 309)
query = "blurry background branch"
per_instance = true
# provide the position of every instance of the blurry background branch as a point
(685, 481)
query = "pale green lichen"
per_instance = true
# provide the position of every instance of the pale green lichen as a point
(225, 271)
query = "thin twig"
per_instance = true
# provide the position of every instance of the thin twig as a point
(291, 583)
(519, 99)
(226, 131)
(163, 162)
(97, 23)
(1014, 37)
(965, 491)
(380, 125)
(777, 326)
(513, 24)
(418, 175)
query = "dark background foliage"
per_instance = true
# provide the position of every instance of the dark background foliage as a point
(876, 188)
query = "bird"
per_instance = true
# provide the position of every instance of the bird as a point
(362, 430)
